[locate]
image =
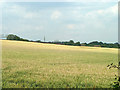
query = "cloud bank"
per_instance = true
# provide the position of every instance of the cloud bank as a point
(62, 21)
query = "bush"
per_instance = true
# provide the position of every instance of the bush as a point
(116, 84)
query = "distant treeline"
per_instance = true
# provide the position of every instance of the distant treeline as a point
(71, 42)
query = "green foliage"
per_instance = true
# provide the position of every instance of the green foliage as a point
(77, 44)
(71, 42)
(13, 37)
(38, 41)
(95, 43)
(116, 83)
(101, 44)
(84, 44)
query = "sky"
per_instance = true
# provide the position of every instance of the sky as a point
(63, 21)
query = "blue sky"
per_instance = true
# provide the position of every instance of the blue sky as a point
(79, 21)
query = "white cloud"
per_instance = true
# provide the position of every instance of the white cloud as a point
(56, 14)
(29, 15)
(21, 12)
(75, 20)
(96, 20)
(30, 27)
(71, 26)
(105, 12)
(39, 28)
(112, 10)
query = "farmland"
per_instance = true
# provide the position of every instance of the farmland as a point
(29, 64)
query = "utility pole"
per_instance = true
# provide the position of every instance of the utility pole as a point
(44, 38)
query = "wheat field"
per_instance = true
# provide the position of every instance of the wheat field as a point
(38, 65)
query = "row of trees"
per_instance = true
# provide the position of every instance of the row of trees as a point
(71, 42)
(92, 44)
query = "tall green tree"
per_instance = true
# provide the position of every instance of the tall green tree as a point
(77, 44)
(13, 37)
